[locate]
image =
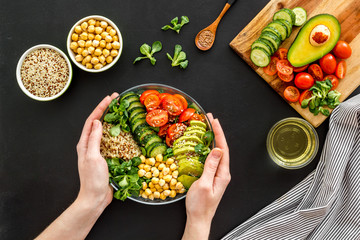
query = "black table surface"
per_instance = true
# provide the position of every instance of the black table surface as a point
(38, 163)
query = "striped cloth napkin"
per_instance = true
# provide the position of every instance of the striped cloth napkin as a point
(326, 204)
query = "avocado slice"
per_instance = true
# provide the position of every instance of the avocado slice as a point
(184, 139)
(183, 150)
(197, 123)
(196, 128)
(190, 167)
(181, 145)
(187, 180)
(302, 52)
(195, 132)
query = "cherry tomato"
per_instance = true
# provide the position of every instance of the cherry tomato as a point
(186, 114)
(284, 67)
(163, 130)
(292, 94)
(182, 100)
(152, 102)
(281, 53)
(301, 69)
(172, 104)
(316, 72)
(328, 63)
(286, 78)
(147, 93)
(271, 68)
(341, 69)
(304, 80)
(305, 95)
(176, 130)
(342, 50)
(198, 117)
(162, 95)
(157, 117)
(334, 81)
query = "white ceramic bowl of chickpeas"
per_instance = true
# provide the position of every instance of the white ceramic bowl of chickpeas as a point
(94, 43)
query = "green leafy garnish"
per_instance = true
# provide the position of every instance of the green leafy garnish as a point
(118, 116)
(204, 150)
(148, 52)
(168, 153)
(176, 25)
(179, 58)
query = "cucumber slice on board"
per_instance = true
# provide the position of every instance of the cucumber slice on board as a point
(260, 57)
(281, 27)
(284, 15)
(272, 38)
(300, 16)
(273, 30)
(288, 25)
(265, 44)
(292, 14)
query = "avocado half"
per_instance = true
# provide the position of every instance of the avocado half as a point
(302, 52)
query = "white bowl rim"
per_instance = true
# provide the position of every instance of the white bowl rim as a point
(72, 55)
(21, 61)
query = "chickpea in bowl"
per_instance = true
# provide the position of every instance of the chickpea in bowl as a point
(94, 43)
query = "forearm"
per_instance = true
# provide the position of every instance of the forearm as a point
(75, 222)
(197, 230)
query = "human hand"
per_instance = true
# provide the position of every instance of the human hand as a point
(205, 194)
(93, 170)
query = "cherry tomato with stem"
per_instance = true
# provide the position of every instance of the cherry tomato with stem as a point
(291, 94)
(147, 93)
(157, 117)
(334, 80)
(304, 80)
(186, 114)
(328, 63)
(341, 69)
(271, 68)
(342, 50)
(316, 72)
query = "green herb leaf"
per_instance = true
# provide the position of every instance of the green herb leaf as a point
(169, 56)
(145, 49)
(177, 50)
(156, 47)
(115, 130)
(184, 64)
(111, 117)
(176, 25)
(138, 59)
(184, 20)
(166, 27)
(174, 21)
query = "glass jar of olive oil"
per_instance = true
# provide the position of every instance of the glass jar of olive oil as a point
(292, 143)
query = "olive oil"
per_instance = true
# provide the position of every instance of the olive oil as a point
(292, 143)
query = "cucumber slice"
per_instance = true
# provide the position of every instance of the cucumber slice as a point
(288, 25)
(127, 95)
(292, 14)
(137, 116)
(260, 57)
(150, 139)
(300, 16)
(135, 104)
(144, 133)
(132, 98)
(261, 43)
(155, 149)
(280, 27)
(283, 15)
(137, 122)
(272, 38)
(273, 30)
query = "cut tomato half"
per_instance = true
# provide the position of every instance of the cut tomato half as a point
(186, 114)
(152, 102)
(147, 93)
(271, 68)
(157, 117)
(172, 104)
(284, 67)
(286, 77)
(182, 100)
(305, 95)
(300, 69)
(291, 94)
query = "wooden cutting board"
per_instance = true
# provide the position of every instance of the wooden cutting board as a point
(348, 14)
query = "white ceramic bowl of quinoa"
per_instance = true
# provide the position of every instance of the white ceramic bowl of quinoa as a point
(44, 72)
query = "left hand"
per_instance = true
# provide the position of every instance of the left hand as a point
(93, 169)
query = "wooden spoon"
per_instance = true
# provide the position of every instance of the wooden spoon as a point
(206, 37)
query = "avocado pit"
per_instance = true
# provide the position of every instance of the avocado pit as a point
(319, 35)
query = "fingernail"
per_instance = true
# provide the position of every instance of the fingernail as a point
(217, 153)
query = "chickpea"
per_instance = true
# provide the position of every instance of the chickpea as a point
(141, 172)
(151, 185)
(95, 61)
(147, 168)
(173, 167)
(103, 24)
(159, 157)
(115, 38)
(166, 171)
(154, 180)
(179, 185)
(153, 169)
(169, 161)
(112, 32)
(108, 28)
(102, 43)
(91, 50)
(88, 44)
(91, 29)
(89, 66)
(157, 163)
(106, 52)
(87, 59)
(156, 173)
(172, 194)
(144, 185)
(79, 58)
(143, 195)
(115, 45)
(108, 39)
(78, 29)
(167, 192)
(79, 50)
(172, 187)
(84, 26)
(161, 182)
(98, 30)
(167, 178)
(151, 161)
(109, 46)
(109, 59)
(161, 175)
(166, 186)
(172, 182)
(161, 166)
(98, 66)
(81, 43)
(156, 195)
(74, 37)
(95, 43)
(151, 196)
(84, 36)
(142, 157)
(85, 53)
(157, 186)
(91, 36)
(148, 175)
(104, 35)
(97, 52)
(97, 37)
(73, 45)
(91, 22)
(160, 190)
(102, 59)
(97, 23)
(175, 174)
(162, 196)
(153, 189)
(182, 190)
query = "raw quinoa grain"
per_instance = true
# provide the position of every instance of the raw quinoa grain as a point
(44, 72)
